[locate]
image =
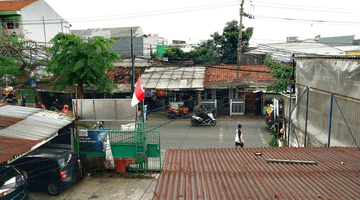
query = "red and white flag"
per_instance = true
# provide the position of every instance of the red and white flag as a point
(139, 93)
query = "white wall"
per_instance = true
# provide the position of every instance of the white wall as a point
(35, 31)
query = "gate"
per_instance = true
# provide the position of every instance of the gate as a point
(138, 150)
(237, 107)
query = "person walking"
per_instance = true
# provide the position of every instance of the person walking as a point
(238, 137)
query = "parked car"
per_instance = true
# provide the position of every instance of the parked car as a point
(52, 169)
(13, 184)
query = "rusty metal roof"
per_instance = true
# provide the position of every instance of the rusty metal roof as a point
(243, 174)
(23, 129)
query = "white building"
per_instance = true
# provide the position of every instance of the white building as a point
(34, 19)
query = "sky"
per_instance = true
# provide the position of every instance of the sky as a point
(196, 20)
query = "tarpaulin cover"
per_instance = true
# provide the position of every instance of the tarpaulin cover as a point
(337, 75)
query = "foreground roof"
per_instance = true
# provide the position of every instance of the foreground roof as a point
(246, 173)
(15, 5)
(23, 129)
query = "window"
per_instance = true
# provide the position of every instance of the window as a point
(12, 23)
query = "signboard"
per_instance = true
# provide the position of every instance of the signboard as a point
(161, 93)
(150, 93)
(145, 114)
(33, 83)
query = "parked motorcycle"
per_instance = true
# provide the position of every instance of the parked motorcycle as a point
(181, 113)
(55, 105)
(206, 118)
(11, 100)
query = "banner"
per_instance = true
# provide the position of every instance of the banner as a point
(150, 93)
(161, 93)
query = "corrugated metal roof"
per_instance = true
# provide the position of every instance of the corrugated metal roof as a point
(241, 174)
(284, 51)
(173, 78)
(29, 127)
(114, 32)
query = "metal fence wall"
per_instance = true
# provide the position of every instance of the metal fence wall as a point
(105, 109)
(318, 126)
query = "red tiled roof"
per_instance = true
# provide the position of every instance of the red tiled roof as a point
(241, 174)
(121, 75)
(15, 5)
(256, 73)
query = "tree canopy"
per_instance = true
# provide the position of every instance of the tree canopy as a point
(283, 74)
(85, 63)
(17, 58)
(220, 49)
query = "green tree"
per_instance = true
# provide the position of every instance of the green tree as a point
(174, 52)
(221, 48)
(228, 41)
(9, 69)
(18, 57)
(85, 63)
(282, 73)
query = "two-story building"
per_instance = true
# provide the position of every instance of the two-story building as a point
(31, 19)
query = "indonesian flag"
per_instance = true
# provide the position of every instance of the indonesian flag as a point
(139, 93)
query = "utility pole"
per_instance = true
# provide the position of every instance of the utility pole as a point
(240, 41)
(132, 63)
(44, 30)
(242, 13)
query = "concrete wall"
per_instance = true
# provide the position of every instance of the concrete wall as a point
(35, 29)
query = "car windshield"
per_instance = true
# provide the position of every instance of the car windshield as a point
(8, 177)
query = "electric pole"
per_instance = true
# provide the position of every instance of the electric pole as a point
(240, 40)
(242, 13)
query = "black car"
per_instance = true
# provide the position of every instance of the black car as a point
(51, 169)
(13, 184)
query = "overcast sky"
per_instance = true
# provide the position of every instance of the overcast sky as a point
(195, 20)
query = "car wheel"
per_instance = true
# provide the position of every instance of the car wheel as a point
(53, 189)
(193, 122)
(212, 122)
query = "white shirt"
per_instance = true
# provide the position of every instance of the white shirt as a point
(237, 137)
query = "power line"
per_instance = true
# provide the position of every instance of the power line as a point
(307, 20)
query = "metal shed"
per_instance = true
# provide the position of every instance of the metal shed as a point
(23, 129)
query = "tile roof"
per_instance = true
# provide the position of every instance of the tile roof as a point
(15, 5)
(242, 174)
(23, 129)
(248, 74)
(121, 75)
